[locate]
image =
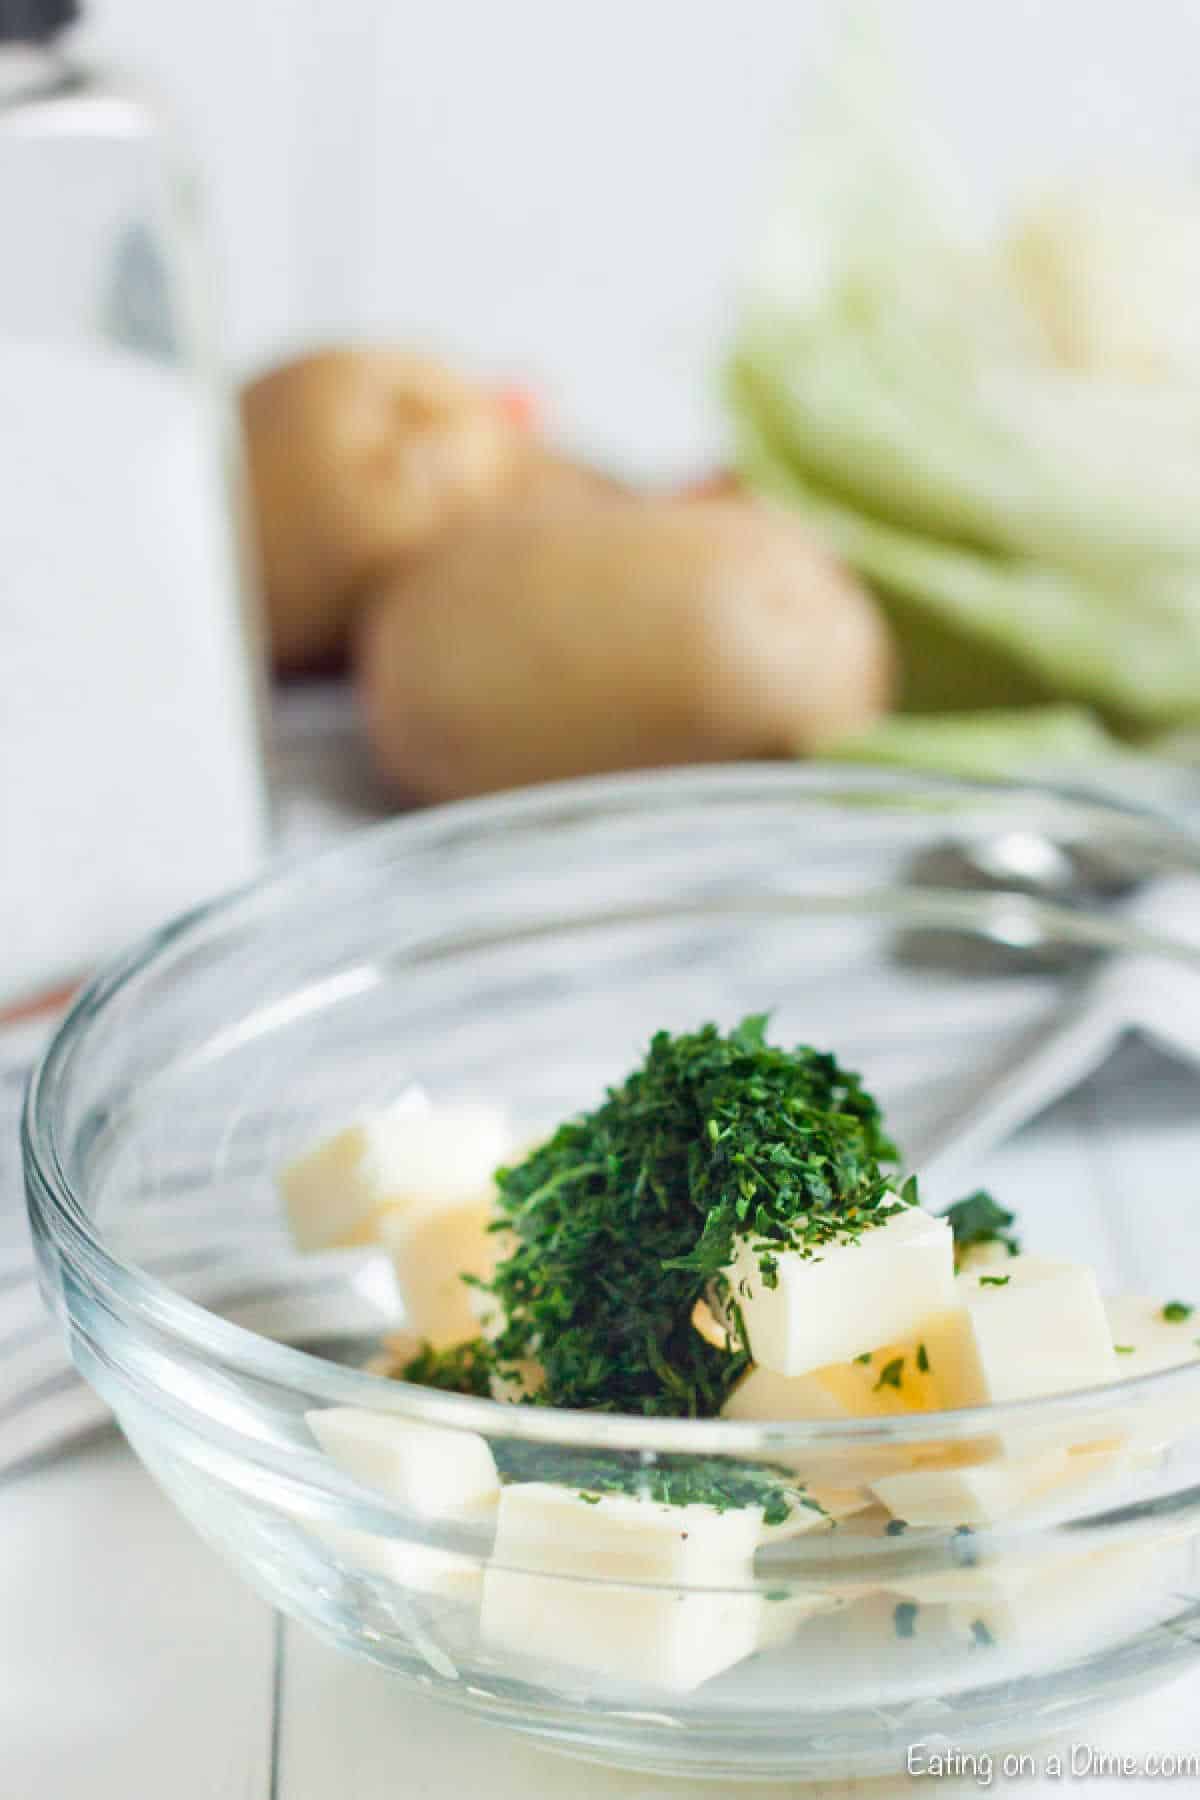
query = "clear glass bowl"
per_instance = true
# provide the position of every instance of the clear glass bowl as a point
(525, 947)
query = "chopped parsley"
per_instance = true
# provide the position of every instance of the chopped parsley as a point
(896, 1528)
(978, 1219)
(865, 1357)
(891, 1374)
(465, 1369)
(922, 1359)
(672, 1480)
(994, 1280)
(1124, 1349)
(1177, 1312)
(629, 1214)
(981, 1637)
(904, 1618)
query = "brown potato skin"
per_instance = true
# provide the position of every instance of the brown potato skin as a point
(540, 644)
(357, 459)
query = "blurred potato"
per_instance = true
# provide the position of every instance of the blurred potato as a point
(540, 643)
(357, 460)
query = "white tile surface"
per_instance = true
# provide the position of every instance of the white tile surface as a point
(134, 1664)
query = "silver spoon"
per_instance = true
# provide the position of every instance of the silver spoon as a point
(1009, 940)
(1132, 988)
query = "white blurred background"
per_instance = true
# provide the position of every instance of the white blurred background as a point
(562, 192)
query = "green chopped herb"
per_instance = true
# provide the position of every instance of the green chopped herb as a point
(776, 1594)
(465, 1369)
(865, 1357)
(591, 1499)
(629, 1214)
(905, 1618)
(1177, 1312)
(891, 1374)
(896, 1528)
(978, 1219)
(994, 1280)
(980, 1635)
(1124, 1349)
(922, 1359)
(671, 1480)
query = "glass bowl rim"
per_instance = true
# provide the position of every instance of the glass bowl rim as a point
(59, 1219)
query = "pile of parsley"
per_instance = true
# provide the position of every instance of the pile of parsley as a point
(669, 1480)
(628, 1215)
(979, 1220)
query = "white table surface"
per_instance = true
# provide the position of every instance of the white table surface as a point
(135, 1666)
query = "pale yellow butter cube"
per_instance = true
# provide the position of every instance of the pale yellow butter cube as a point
(433, 1472)
(449, 1152)
(1036, 1327)
(1145, 1341)
(334, 1190)
(817, 1508)
(855, 1390)
(565, 1585)
(433, 1246)
(785, 1610)
(973, 1493)
(394, 1157)
(846, 1297)
(898, 1378)
(417, 1568)
(1078, 1601)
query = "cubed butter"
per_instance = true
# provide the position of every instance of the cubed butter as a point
(785, 1610)
(417, 1568)
(838, 1503)
(761, 1394)
(1037, 1327)
(972, 1493)
(1038, 1604)
(433, 1245)
(431, 1470)
(333, 1191)
(390, 1158)
(1145, 1340)
(845, 1392)
(1080, 1600)
(435, 1473)
(847, 1297)
(817, 1509)
(905, 1377)
(449, 1153)
(604, 1584)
